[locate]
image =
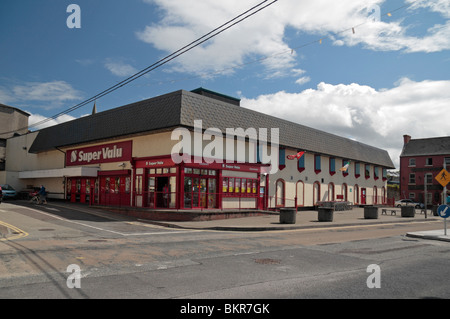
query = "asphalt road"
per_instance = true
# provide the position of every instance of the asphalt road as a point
(122, 258)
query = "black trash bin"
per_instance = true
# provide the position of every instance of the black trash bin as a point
(325, 214)
(371, 212)
(408, 211)
(288, 215)
(434, 210)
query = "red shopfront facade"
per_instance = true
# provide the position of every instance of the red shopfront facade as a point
(160, 183)
(110, 187)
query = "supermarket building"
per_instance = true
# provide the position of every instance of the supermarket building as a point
(138, 155)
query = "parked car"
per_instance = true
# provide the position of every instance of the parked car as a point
(8, 191)
(408, 202)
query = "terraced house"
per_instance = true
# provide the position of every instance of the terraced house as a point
(421, 162)
(131, 156)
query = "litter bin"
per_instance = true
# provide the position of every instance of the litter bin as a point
(434, 210)
(371, 212)
(288, 215)
(408, 211)
(325, 214)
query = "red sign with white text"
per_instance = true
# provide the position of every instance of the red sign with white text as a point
(106, 153)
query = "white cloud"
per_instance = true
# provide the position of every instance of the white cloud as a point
(264, 34)
(36, 118)
(303, 80)
(377, 117)
(120, 68)
(48, 95)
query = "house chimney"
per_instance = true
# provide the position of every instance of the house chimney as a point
(406, 139)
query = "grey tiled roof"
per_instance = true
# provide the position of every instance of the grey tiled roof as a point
(427, 146)
(181, 108)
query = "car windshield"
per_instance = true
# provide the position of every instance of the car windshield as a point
(6, 188)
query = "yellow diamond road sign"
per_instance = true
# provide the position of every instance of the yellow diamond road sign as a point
(443, 177)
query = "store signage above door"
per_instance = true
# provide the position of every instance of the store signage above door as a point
(155, 162)
(106, 153)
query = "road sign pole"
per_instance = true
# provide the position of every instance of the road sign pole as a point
(444, 194)
(444, 212)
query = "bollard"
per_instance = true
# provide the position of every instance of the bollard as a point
(325, 214)
(371, 212)
(288, 215)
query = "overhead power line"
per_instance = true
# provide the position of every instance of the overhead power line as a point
(227, 25)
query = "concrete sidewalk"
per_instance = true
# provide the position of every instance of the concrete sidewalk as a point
(304, 219)
(309, 219)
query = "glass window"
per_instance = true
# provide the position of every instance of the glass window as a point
(279, 193)
(238, 185)
(317, 163)
(332, 165)
(301, 162)
(367, 170)
(282, 157)
(357, 168)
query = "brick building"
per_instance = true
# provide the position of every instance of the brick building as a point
(421, 161)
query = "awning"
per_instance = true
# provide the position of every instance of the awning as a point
(61, 172)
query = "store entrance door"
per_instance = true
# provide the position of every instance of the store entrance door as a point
(79, 189)
(199, 192)
(363, 196)
(115, 190)
(262, 197)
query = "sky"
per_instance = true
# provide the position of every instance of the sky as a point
(371, 71)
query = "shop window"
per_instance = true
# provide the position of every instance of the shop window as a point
(332, 166)
(344, 163)
(280, 193)
(367, 171)
(237, 186)
(317, 164)
(138, 185)
(281, 158)
(301, 163)
(331, 192)
(357, 170)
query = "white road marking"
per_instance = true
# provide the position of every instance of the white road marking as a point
(107, 230)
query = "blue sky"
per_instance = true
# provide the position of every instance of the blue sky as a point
(388, 78)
